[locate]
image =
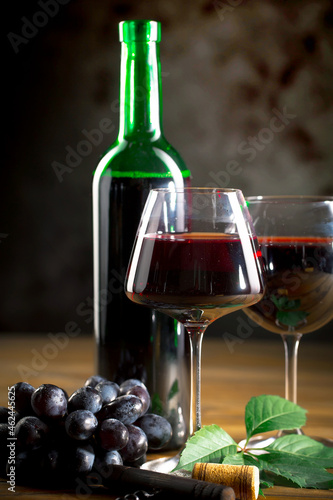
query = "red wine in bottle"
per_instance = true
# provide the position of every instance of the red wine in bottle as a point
(132, 341)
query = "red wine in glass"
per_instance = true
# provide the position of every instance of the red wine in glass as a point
(194, 276)
(299, 284)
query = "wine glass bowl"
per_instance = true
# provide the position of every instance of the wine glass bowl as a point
(295, 234)
(195, 258)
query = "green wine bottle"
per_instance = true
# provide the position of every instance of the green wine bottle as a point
(132, 341)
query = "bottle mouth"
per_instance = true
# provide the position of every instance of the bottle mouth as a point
(140, 30)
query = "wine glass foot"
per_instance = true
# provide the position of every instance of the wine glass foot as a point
(165, 464)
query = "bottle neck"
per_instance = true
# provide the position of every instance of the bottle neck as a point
(140, 91)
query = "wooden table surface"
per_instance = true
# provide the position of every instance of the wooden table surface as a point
(229, 380)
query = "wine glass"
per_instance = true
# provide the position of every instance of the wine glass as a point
(195, 258)
(295, 234)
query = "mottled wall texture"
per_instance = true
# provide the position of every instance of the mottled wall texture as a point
(229, 67)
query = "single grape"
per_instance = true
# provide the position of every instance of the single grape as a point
(23, 393)
(53, 467)
(112, 434)
(129, 383)
(31, 432)
(85, 398)
(4, 414)
(79, 459)
(157, 429)
(8, 416)
(127, 409)
(108, 390)
(94, 380)
(143, 394)
(49, 401)
(27, 467)
(81, 424)
(58, 461)
(104, 461)
(52, 462)
(58, 432)
(136, 446)
(138, 462)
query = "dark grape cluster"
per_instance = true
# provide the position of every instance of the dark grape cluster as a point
(59, 438)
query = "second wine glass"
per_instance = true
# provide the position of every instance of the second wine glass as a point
(195, 258)
(296, 239)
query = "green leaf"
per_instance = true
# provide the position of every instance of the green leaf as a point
(291, 318)
(303, 472)
(174, 390)
(270, 479)
(265, 485)
(287, 313)
(270, 413)
(265, 480)
(240, 459)
(285, 304)
(303, 446)
(209, 444)
(293, 460)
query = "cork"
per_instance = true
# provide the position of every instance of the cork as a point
(244, 479)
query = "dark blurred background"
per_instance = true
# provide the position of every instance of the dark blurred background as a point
(228, 67)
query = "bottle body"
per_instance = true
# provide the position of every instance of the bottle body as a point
(133, 341)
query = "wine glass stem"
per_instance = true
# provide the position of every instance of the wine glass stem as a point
(196, 335)
(291, 343)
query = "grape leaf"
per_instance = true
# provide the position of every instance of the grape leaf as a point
(209, 444)
(303, 446)
(287, 313)
(241, 459)
(303, 472)
(285, 304)
(293, 460)
(270, 413)
(291, 318)
(268, 480)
